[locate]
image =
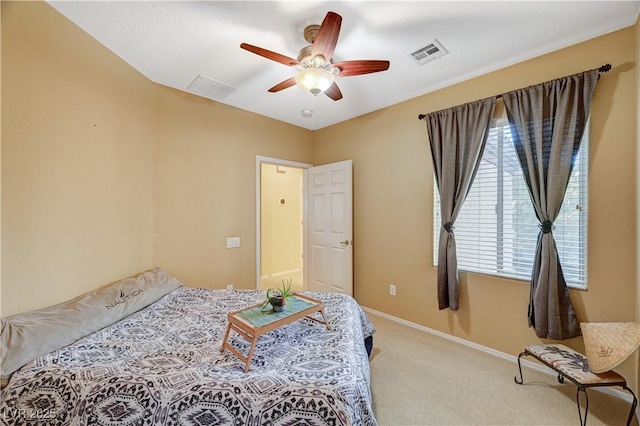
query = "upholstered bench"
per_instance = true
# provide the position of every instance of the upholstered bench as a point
(575, 367)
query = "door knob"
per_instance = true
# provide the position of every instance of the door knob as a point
(344, 243)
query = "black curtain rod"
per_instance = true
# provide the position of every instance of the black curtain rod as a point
(604, 68)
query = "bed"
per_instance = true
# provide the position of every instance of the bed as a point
(161, 364)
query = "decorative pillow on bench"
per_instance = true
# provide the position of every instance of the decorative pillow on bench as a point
(29, 335)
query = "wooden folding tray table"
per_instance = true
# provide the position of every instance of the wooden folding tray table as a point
(252, 322)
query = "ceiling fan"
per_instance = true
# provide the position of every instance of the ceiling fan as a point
(316, 69)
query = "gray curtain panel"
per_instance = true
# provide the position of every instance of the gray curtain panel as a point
(457, 136)
(547, 124)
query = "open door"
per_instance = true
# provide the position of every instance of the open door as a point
(279, 212)
(329, 257)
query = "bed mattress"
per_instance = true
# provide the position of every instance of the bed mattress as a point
(163, 366)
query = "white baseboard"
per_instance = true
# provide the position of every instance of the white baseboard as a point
(534, 365)
(279, 274)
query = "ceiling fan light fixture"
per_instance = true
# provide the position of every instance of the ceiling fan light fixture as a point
(314, 80)
(316, 67)
(318, 60)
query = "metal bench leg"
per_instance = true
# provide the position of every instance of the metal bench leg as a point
(583, 422)
(634, 404)
(519, 368)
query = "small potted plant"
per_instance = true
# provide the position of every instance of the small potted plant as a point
(277, 297)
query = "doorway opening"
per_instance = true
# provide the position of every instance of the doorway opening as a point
(280, 223)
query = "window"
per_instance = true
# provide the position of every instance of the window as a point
(497, 230)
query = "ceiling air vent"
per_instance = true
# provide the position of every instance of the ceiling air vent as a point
(209, 88)
(428, 53)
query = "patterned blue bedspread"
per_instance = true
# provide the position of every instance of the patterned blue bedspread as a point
(163, 366)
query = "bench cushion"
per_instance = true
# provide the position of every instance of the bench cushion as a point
(573, 365)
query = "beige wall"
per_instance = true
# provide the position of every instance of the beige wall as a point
(393, 202)
(0, 170)
(637, 318)
(280, 224)
(206, 176)
(105, 174)
(78, 131)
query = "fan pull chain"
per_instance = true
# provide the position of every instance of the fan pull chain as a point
(313, 114)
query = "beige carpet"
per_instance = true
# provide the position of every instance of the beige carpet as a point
(421, 379)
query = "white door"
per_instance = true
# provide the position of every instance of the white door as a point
(329, 258)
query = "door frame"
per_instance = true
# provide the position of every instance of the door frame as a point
(278, 162)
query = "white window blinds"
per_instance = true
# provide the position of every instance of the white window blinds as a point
(497, 230)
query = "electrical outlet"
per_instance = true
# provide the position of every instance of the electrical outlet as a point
(229, 286)
(233, 242)
(392, 289)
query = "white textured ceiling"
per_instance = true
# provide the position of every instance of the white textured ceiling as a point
(172, 43)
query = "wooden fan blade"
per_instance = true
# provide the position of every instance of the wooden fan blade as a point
(283, 85)
(349, 68)
(327, 36)
(334, 92)
(270, 55)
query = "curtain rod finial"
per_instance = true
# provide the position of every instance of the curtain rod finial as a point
(421, 116)
(605, 68)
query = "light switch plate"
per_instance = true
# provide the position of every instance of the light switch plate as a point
(233, 242)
